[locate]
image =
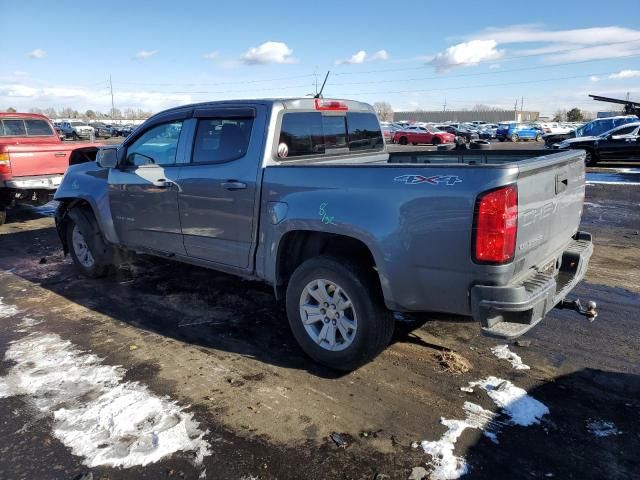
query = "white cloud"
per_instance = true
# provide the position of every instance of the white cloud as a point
(362, 56)
(37, 53)
(380, 55)
(269, 52)
(594, 78)
(17, 90)
(625, 74)
(466, 53)
(142, 54)
(211, 55)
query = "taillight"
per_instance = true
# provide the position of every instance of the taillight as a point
(495, 225)
(330, 105)
(5, 166)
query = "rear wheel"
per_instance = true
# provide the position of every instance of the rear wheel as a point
(335, 312)
(436, 141)
(74, 136)
(515, 138)
(403, 141)
(501, 139)
(538, 138)
(414, 143)
(590, 159)
(90, 253)
(3, 216)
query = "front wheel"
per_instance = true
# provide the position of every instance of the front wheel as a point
(3, 216)
(335, 312)
(74, 136)
(515, 138)
(436, 140)
(590, 159)
(89, 252)
(538, 138)
(403, 141)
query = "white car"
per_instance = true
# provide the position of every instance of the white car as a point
(554, 128)
(76, 129)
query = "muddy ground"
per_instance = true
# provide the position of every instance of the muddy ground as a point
(221, 346)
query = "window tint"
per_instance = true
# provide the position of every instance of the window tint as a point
(312, 133)
(624, 131)
(157, 145)
(14, 128)
(220, 140)
(37, 127)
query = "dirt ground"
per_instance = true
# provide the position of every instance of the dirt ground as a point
(222, 347)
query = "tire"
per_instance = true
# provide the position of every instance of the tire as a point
(480, 145)
(515, 138)
(414, 143)
(538, 138)
(74, 136)
(373, 323)
(95, 259)
(3, 217)
(403, 141)
(501, 139)
(590, 159)
(436, 141)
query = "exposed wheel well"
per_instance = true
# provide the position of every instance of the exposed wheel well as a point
(62, 219)
(300, 245)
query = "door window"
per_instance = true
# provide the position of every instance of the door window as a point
(156, 146)
(221, 140)
(14, 128)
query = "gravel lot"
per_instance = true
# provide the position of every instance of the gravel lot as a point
(220, 347)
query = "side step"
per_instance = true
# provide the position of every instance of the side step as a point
(508, 330)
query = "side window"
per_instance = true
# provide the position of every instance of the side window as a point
(37, 128)
(364, 131)
(221, 140)
(302, 133)
(624, 131)
(156, 146)
(14, 128)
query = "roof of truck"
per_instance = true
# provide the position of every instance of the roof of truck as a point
(22, 115)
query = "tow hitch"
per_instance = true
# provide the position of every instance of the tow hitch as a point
(589, 311)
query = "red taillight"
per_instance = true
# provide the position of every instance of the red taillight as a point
(330, 105)
(496, 225)
(5, 166)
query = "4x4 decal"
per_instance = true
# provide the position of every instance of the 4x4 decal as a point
(432, 180)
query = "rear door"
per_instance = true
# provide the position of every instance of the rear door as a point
(219, 184)
(143, 191)
(621, 143)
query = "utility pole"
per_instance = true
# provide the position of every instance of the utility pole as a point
(521, 107)
(113, 108)
(515, 110)
(444, 105)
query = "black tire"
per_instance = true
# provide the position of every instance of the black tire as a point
(414, 143)
(539, 137)
(480, 145)
(501, 139)
(403, 141)
(101, 252)
(375, 323)
(436, 141)
(590, 159)
(74, 136)
(3, 216)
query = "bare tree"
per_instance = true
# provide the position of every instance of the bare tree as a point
(50, 112)
(560, 116)
(11, 110)
(384, 111)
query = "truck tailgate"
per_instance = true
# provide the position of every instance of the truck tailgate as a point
(550, 199)
(38, 159)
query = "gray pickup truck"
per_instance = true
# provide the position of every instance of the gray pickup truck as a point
(302, 194)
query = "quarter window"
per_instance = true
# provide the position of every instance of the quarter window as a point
(156, 146)
(14, 128)
(221, 140)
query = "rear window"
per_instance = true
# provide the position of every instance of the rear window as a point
(312, 133)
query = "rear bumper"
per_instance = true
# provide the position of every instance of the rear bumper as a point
(511, 310)
(40, 182)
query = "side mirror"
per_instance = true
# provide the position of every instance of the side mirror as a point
(107, 157)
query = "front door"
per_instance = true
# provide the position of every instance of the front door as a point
(143, 192)
(219, 185)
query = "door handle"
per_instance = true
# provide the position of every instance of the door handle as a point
(59, 154)
(233, 185)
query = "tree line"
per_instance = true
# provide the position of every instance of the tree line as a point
(127, 114)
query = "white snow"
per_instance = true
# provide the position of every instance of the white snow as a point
(514, 401)
(97, 415)
(7, 310)
(602, 428)
(503, 352)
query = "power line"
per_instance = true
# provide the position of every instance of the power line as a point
(516, 57)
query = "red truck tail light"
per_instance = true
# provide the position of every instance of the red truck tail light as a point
(330, 105)
(495, 225)
(5, 166)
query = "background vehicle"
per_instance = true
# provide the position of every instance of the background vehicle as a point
(459, 133)
(101, 130)
(300, 193)
(553, 128)
(76, 129)
(389, 130)
(415, 134)
(593, 128)
(518, 131)
(33, 159)
(621, 143)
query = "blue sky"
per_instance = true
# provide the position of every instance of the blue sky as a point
(411, 54)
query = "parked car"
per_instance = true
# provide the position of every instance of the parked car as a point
(101, 130)
(518, 131)
(283, 191)
(554, 128)
(415, 134)
(76, 129)
(593, 128)
(621, 143)
(389, 130)
(460, 134)
(33, 159)
(126, 130)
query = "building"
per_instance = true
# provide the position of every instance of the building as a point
(465, 116)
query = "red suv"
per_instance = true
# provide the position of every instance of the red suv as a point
(416, 134)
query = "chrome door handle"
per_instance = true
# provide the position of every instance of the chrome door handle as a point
(233, 185)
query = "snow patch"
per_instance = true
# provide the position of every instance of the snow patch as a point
(7, 310)
(601, 428)
(514, 401)
(446, 465)
(97, 415)
(503, 352)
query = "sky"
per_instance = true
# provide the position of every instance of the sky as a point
(413, 54)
